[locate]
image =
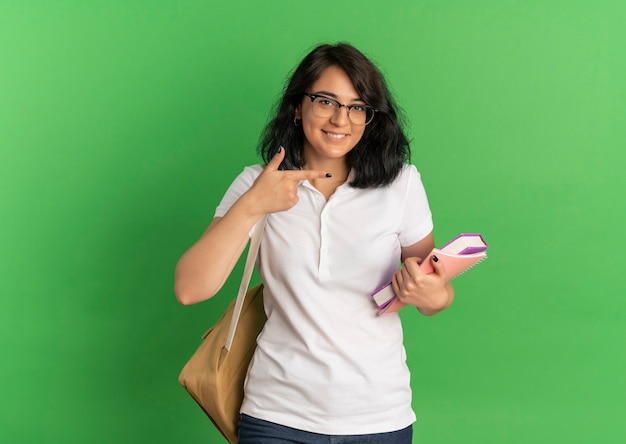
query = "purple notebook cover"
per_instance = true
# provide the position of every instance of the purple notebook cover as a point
(383, 296)
(467, 250)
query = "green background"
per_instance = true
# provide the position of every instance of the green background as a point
(123, 122)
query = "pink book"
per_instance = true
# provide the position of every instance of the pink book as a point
(458, 256)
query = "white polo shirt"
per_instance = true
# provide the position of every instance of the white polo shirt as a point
(325, 362)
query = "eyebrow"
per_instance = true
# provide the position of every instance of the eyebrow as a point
(334, 96)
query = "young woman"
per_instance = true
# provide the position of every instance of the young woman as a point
(344, 209)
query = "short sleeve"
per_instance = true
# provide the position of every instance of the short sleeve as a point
(240, 185)
(417, 221)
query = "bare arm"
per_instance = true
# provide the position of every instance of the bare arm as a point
(430, 293)
(203, 269)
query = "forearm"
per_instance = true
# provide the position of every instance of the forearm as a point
(203, 269)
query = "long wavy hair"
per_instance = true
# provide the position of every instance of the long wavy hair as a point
(380, 154)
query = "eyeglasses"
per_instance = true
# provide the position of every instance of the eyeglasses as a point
(326, 107)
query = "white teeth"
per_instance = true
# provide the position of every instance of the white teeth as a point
(336, 136)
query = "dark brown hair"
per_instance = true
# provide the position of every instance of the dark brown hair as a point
(380, 154)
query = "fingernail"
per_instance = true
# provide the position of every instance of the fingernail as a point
(329, 175)
(435, 259)
(279, 150)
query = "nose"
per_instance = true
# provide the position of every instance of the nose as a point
(341, 116)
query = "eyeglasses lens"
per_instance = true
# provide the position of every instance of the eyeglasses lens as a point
(358, 115)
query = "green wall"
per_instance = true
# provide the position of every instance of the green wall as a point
(122, 123)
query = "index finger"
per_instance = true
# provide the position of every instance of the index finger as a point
(307, 174)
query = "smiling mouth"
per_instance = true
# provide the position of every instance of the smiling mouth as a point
(337, 136)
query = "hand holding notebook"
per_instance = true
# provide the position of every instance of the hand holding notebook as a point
(458, 256)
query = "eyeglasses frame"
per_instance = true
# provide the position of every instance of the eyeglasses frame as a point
(340, 105)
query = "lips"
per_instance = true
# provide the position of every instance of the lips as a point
(336, 136)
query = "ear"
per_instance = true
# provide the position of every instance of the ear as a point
(298, 115)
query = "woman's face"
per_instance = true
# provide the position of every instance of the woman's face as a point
(330, 138)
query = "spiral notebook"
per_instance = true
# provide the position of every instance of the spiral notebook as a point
(458, 255)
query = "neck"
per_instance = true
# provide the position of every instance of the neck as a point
(327, 186)
(337, 167)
